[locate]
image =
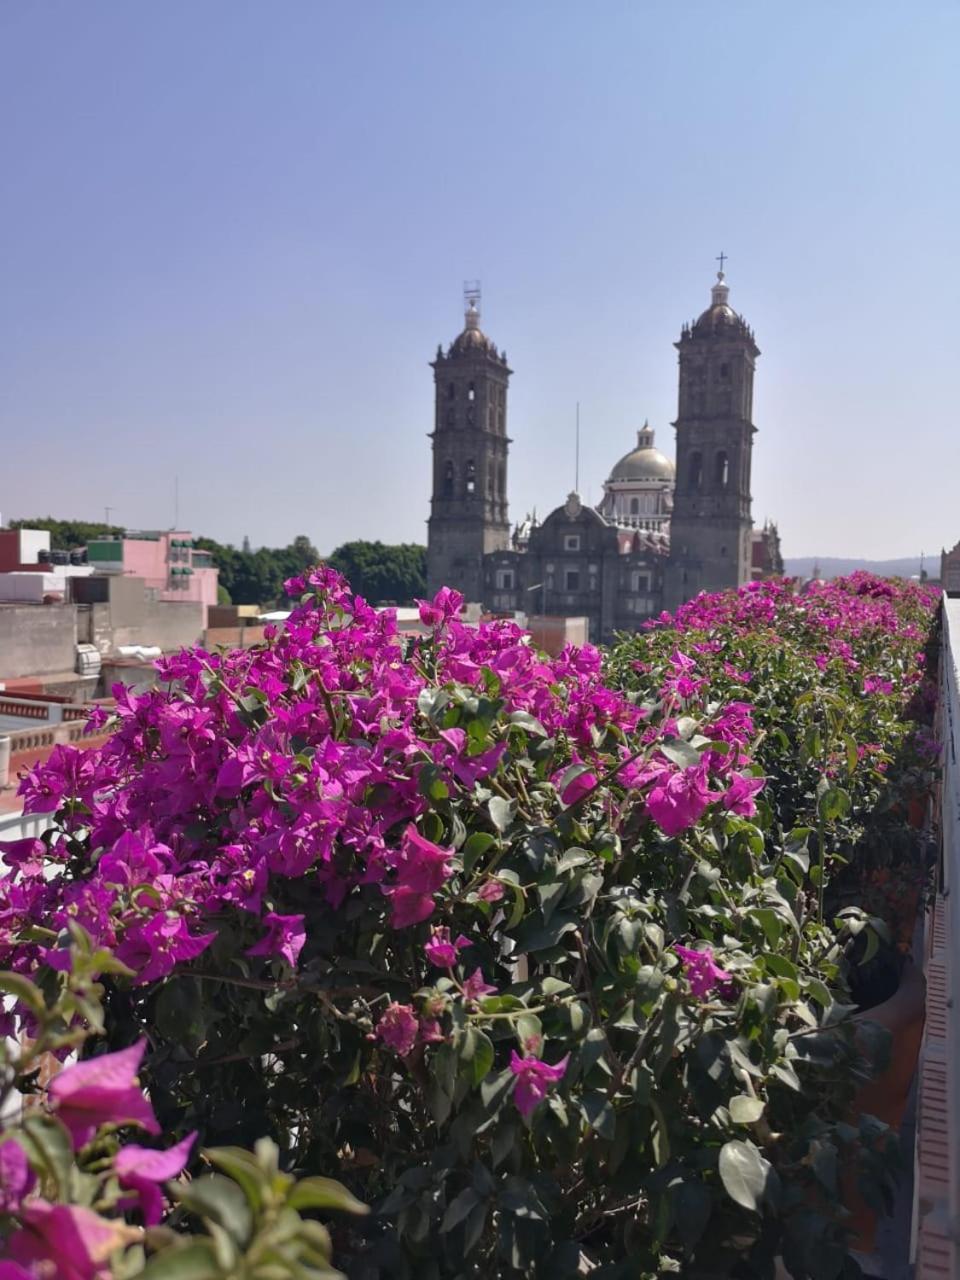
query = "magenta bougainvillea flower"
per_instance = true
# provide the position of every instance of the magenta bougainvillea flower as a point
(422, 869)
(703, 974)
(441, 951)
(17, 1179)
(285, 937)
(877, 684)
(68, 1242)
(142, 1170)
(534, 1078)
(102, 1090)
(398, 1028)
(678, 802)
(739, 796)
(446, 604)
(490, 891)
(474, 987)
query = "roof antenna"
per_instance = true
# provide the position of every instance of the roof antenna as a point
(576, 482)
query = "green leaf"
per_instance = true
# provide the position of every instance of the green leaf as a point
(834, 803)
(49, 1149)
(501, 812)
(596, 1109)
(530, 724)
(680, 752)
(219, 1200)
(744, 1173)
(458, 1209)
(529, 1029)
(483, 1056)
(324, 1193)
(243, 1168)
(15, 984)
(474, 849)
(196, 1260)
(744, 1109)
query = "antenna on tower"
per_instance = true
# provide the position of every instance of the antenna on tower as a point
(576, 482)
(471, 295)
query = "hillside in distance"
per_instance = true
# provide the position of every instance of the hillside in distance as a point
(837, 566)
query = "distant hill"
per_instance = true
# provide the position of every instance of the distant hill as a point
(837, 566)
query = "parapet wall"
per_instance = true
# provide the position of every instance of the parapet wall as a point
(37, 639)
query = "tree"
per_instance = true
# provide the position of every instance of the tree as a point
(383, 574)
(67, 534)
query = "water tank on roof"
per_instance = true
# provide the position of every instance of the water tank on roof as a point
(59, 557)
(78, 555)
(88, 660)
(43, 556)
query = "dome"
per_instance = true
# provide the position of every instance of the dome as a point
(719, 312)
(472, 338)
(643, 463)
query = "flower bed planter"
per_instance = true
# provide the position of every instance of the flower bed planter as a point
(549, 960)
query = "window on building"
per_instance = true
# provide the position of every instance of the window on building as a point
(695, 471)
(501, 480)
(634, 506)
(724, 372)
(504, 579)
(722, 469)
(491, 418)
(639, 582)
(470, 482)
(449, 478)
(571, 542)
(471, 393)
(571, 579)
(451, 390)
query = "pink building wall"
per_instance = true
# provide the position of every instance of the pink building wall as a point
(155, 559)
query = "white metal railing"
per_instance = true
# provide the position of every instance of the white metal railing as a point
(937, 1187)
(24, 826)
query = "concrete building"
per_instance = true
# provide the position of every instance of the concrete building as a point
(661, 533)
(167, 562)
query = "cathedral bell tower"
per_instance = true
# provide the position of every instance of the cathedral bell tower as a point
(711, 529)
(468, 510)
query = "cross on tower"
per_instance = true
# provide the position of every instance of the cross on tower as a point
(721, 258)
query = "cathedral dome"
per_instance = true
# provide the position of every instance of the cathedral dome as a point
(643, 463)
(719, 312)
(472, 338)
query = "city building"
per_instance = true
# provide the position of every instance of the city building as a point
(662, 532)
(168, 562)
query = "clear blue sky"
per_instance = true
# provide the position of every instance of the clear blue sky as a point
(232, 235)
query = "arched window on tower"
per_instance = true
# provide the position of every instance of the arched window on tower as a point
(451, 390)
(471, 393)
(448, 480)
(491, 479)
(722, 469)
(634, 506)
(501, 480)
(470, 479)
(695, 471)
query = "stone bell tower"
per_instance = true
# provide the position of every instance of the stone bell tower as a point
(468, 509)
(711, 529)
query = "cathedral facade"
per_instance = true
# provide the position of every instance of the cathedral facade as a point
(662, 533)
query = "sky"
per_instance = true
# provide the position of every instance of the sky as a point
(232, 235)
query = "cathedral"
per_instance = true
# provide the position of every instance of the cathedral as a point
(662, 533)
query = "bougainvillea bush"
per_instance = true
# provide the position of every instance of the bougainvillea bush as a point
(543, 959)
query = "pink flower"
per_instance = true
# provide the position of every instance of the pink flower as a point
(578, 788)
(703, 975)
(440, 951)
(677, 803)
(422, 869)
(430, 1031)
(474, 987)
(490, 891)
(102, 1090)
(739, 795)
(75, 1242)
(16, 1177)
(876, 684)
(445, 604)
(141, 1169)
(398, 1028)
(533, 1079)
(285, 937)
